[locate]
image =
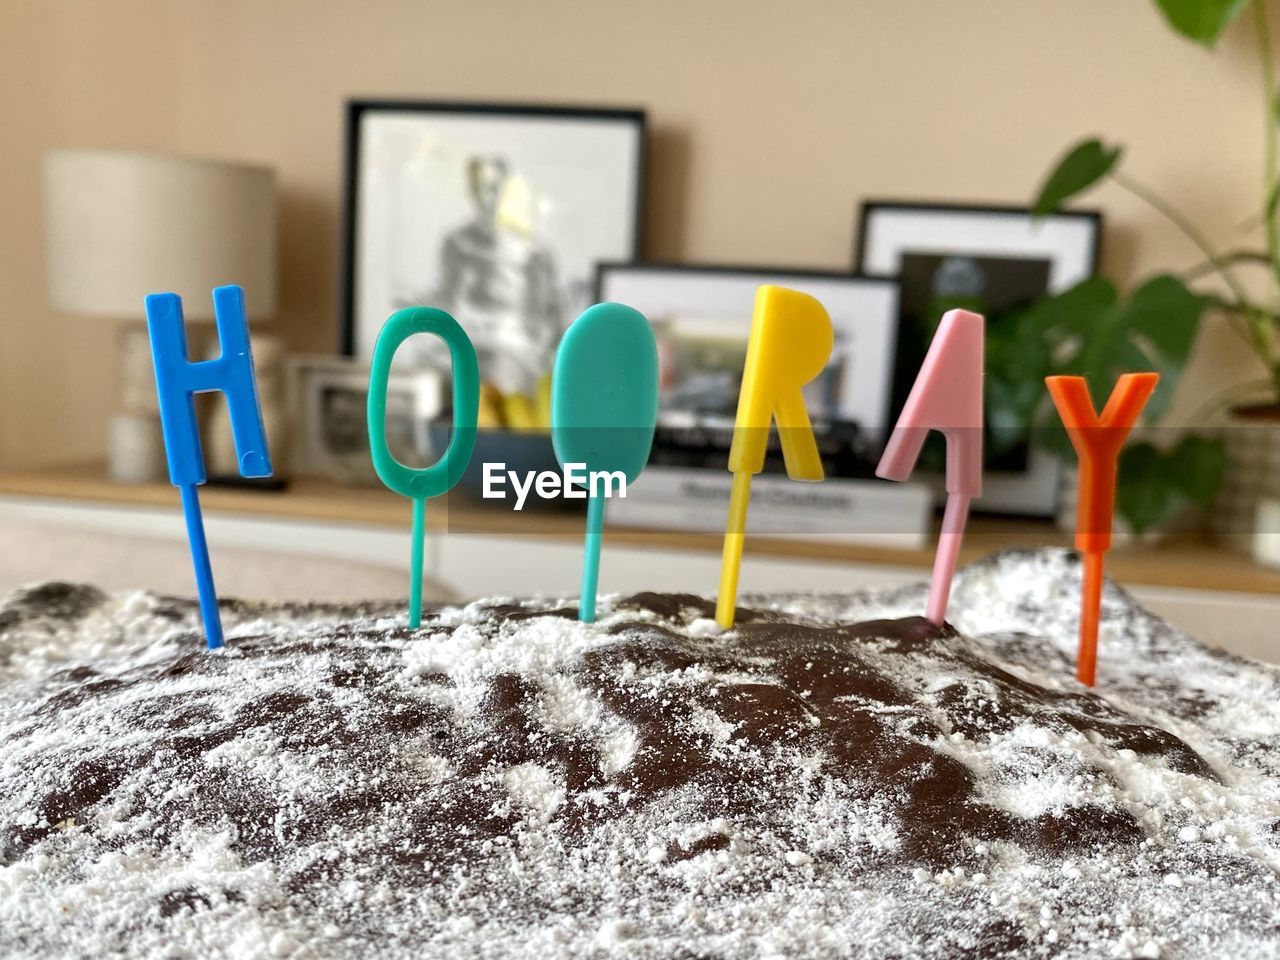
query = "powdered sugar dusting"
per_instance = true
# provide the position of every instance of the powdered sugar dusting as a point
(509, 782)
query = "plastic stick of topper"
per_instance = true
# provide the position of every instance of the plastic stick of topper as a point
(1097, 439)
(604, 408)
(947, 397)
(177, 380)
(789, 345)
(419, 484)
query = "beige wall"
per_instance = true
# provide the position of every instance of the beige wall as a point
(770, 121)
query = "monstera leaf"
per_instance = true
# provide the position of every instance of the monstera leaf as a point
(1151, 330)
(1093, 332)
(1145, 494)
(1202, 20)
(1034, 345)
(1199, 464)
(1020, 353)
(1083, 165)
(1153, 485)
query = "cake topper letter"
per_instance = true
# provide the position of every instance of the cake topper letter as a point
(790, 344)
(1097, 439)
(947, 397)
(604, 407)
(440, 477)
(177, 381)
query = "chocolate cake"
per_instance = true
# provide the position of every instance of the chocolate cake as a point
(834, 777)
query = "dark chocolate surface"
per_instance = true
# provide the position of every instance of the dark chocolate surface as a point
(832, 777)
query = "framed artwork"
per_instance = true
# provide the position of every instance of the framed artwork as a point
(328, 401)
(495, 213)
(701, 317)
(995, 261)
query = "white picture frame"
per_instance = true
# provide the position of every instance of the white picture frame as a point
(328, 402)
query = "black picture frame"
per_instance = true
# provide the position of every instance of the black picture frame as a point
(867, 207)
(849, 437)
(357, 110)
(1022, 257)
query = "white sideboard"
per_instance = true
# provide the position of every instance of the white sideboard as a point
(487, 564)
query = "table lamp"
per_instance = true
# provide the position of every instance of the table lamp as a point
(120, 225)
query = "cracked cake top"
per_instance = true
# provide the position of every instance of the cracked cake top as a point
(833, 776)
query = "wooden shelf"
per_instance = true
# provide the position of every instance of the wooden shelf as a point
(1192, 562)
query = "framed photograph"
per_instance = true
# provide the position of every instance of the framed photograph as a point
(701, 317)
(993, 260)
(328, 401)
(495, 213)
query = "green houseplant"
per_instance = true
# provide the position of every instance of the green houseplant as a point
(1095, 330)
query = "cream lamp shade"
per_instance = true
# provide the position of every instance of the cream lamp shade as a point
(120, 225)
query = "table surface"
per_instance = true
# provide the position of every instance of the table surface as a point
(1191, 561)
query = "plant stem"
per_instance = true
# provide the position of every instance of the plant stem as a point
(1263, 334)
(1189, 230)
(1232, 394)
(1258, 257)
(1257, 320)
(1263, 28)
(1243, 307)
(1254, 324)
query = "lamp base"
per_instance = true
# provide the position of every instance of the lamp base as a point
(135, 442)
(135, 449)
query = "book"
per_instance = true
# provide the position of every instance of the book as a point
(837, 510)
(701, 440)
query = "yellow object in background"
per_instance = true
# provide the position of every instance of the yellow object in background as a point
(790, 344)
(516, 206)
(542, 402)
(490, 415)
(519, 413)
(525, 412)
